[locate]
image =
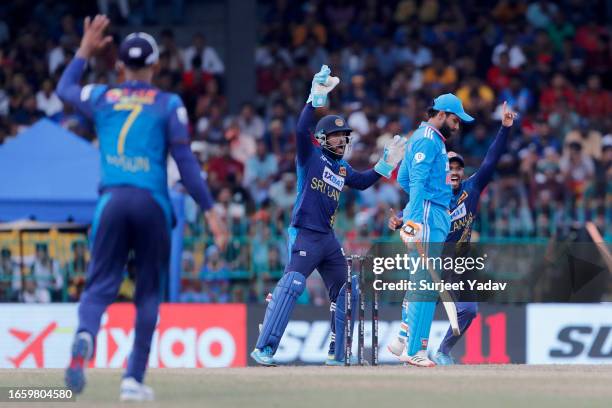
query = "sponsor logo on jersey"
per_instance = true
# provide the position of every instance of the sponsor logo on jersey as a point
(462, 198)
(333, 179)
(342, 171)
(137, 96)
(458, 213)
(326, 160)
(419, 157)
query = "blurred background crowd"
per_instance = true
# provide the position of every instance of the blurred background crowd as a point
(549, 60)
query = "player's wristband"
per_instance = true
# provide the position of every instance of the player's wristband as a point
(318, 100)
(383, 168)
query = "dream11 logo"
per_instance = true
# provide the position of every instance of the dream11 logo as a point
(186, 336)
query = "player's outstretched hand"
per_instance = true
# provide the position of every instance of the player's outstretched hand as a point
(394, 221)
(322, 84)
(508, 115)
(94, 37)
(392, 155)
(218, 229)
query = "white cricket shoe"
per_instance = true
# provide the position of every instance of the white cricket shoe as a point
(132, 390)
(397, 346)
(420, 359)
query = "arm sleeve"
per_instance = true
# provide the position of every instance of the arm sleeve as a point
(420, 167)
(70, 91)
(304, 141)
(186, 162)
(361, 180)
(485, 173)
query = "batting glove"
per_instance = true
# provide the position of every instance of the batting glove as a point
(322, 84)
(392, 155)
(411, 232)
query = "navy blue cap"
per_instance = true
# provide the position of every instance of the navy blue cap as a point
(138, 50)
(456, 156)
(331, 124)
(450, 103)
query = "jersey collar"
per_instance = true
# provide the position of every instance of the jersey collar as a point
(434, 129)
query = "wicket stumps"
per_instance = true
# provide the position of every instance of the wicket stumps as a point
(357, 263)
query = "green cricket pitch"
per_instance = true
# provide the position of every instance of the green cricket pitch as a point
(321, 387)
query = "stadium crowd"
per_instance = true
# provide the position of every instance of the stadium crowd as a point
(549, 60)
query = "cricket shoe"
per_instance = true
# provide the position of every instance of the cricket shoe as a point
(443, 359)
(82, 351)
(420, 359)
(132, 390)
(264, 357)
(397, 346)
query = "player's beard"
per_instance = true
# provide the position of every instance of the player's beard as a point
(446, 130)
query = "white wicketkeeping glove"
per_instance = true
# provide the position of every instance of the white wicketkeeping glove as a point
(322, 84)
(392, 155)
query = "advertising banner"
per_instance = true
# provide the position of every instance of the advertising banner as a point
(497, 335)
(187, 335)
(569, 334)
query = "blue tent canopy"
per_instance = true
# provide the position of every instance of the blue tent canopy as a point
(48, 174)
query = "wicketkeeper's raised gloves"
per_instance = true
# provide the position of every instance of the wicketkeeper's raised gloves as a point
(322, 84)
(411, 232)
(392, 155)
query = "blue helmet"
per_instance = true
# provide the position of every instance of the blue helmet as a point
(329, 125)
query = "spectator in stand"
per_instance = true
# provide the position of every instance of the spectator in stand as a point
(499, 75)
(10, 277)
(559, 29)
(46, 273)
(32, 293)
(75, 271)
(195, 80)
(590, 140)
(47, 100)
(283, 192)
(250, 122)
(211, 63)
(60, 54)
(595, 103)
(577, 169)
(168, 45)
(515, 52)
(440, 76)
(559, 90)
(518, 97)
(540, 13)
(259, 172)
(214, 276)
(414, 52)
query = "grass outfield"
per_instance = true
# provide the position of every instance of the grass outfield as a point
(321, 387)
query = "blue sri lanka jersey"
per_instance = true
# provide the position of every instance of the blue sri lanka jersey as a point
(132, 123)
(423, 173)
(464, 202)
(320, 180)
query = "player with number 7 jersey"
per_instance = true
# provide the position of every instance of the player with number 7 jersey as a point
(137, 126)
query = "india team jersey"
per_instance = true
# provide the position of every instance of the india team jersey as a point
(423, 173)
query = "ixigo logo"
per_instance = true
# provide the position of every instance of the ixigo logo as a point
(174, 347)
(186, 336)
(33, 345)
